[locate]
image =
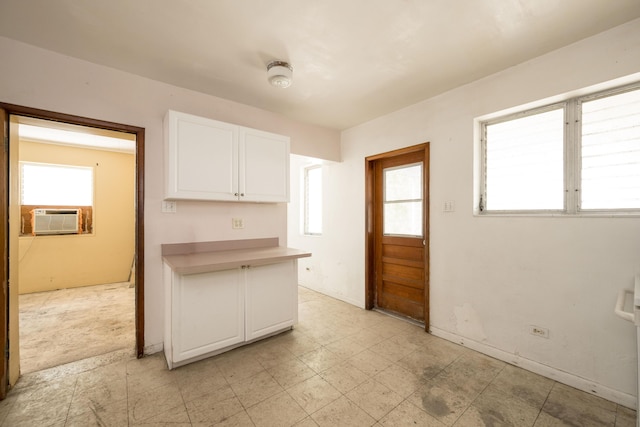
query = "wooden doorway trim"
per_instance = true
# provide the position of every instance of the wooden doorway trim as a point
(10, 109)
(4, 253)
(370, 225)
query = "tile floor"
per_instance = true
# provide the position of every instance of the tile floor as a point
(341, 366)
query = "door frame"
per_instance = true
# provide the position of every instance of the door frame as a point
(370, 226)
(9, 109)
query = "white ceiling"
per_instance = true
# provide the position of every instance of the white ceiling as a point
(353, 60)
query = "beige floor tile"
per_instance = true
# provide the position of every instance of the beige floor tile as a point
(144, 406)
(273, 353)
(374, 398)
(307, 422)
(241, 419)
(255, 389)
(236, 366)
(625, 417)
(345, 347)
(291, 372)
(367, 338)
(399, 380)
(214, 407)
(425, 365)
(173, 417)
(342, 412)
(106, 393)
(406, 414)
(527, 386)
(298, 343)
(578, 408)
(321, 359)
(440, 403)
(41, 409)
(198, 379)
(494, 407)
(114, 415)
(313, 394)
(369, 362)
(278, 411)
(468, 375)
(344, 377)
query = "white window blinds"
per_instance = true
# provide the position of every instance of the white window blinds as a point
(611, 152)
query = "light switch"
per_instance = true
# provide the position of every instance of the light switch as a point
(169, 206)
(237, 223)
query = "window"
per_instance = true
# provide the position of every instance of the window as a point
(576, 157)
(56, 185)
(402, 200)
(49, 186)
(313, 200)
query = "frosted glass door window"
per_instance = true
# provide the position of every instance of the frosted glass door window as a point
(402, 211)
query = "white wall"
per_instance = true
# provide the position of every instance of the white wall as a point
(38, 78)
(492, 277)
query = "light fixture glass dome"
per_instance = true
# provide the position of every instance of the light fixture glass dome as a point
(279, 74)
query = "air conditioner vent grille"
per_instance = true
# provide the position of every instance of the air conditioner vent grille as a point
(56, 221)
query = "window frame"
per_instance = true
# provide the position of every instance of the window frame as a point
(572, 161)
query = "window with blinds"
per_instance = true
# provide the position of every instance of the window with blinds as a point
(610, 172)
(579, 156)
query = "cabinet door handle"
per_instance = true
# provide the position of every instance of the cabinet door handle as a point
(235, 194)
(241, 194)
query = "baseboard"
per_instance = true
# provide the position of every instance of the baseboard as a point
(563, 377)
(153, 348)
(334, 295)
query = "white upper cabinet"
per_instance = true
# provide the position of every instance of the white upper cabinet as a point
(211, 160)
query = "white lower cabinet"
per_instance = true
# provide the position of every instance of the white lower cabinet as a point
(208, 313)
(272, 299)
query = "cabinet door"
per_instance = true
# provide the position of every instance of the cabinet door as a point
(208, 313)
(272, 298)
(264, 166)
(201, 158)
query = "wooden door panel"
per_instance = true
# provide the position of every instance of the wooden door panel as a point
(403, 252)
(403, 272)
(403, 290)
(395, 303)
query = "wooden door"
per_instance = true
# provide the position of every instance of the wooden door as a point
(398, 232)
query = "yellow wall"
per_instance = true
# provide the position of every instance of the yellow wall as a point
(106, 256)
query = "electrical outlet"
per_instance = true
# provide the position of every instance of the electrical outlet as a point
(449, 206)
(237, 223)
(538, 331)
(168, 206)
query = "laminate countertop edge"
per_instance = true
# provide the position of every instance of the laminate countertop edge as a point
(205, 262)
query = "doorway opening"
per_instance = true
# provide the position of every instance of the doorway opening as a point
(74, 262)
(397, 238)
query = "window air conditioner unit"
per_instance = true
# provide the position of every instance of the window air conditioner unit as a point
(56, 221)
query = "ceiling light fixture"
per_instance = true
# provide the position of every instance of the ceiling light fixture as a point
(279, 74)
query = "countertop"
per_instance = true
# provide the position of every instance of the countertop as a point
(214, 256)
